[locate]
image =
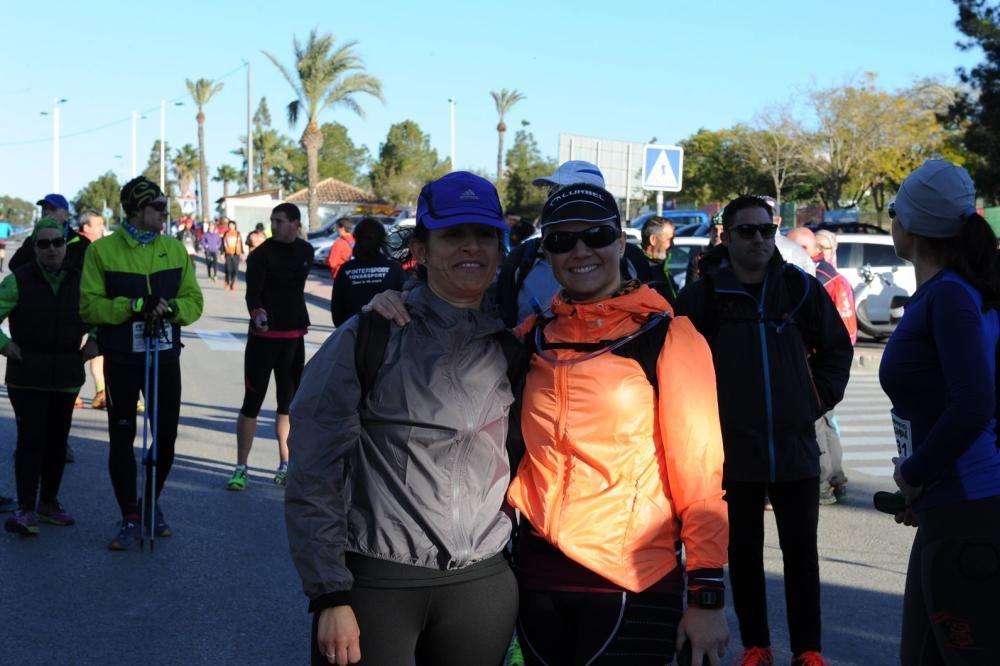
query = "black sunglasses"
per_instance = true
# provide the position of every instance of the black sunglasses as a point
(748, 231)
(46, 243)
(560, 242)
(158, 206)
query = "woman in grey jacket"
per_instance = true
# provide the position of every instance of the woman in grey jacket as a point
(395, 500)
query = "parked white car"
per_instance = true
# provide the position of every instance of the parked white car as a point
(882, 281)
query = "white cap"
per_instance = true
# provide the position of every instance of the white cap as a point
(935, 199)
(573, 172)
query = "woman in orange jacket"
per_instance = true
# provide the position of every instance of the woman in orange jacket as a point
(623, 460)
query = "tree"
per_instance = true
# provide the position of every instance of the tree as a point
(975, 111)
(202, 91)
(524, 164)
(778, 143)
(504, 100)
(152, 170)
(226, 174)
(405, 163)
(719, 165)
(339, 158)
(185, 165)
(324, 77)
(100, 193)
(18, 212)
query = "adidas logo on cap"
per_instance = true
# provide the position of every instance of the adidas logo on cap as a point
(469, 195)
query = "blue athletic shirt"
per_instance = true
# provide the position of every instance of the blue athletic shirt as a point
(938, 371)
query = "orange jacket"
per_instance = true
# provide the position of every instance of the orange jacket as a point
(612, 476)
(232, 242)
(340, 253)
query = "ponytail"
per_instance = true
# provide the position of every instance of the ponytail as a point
(973, 255)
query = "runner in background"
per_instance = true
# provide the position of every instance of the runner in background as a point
(232, 247)
(367, 274)
(91, 227)
(343, 248)
(211, 244)
(256, 237)
(276, 279)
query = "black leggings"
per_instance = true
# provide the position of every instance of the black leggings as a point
(123, 385)
(285, 357)
(576, 628)
(232, 268)
(953, 587)
(211, 264)
(796, 512)
(462, 624)
(43, 422)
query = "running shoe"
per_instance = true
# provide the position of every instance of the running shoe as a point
(24, 523)
(128, 535)
(281, 475)
(826, 496)
(52, 513)
(757, 656)
(840, 493)
(160, 526)
(99, 401)
(7, 504)
(811, 658)
(239, 479)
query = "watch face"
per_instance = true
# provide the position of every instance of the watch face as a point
(710, 599)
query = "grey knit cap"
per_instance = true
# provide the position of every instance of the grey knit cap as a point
(935, 200)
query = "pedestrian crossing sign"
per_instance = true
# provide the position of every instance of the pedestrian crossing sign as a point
(662, 168)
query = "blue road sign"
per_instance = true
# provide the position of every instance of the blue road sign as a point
(662, 168)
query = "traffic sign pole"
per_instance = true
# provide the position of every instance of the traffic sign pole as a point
(659, 202)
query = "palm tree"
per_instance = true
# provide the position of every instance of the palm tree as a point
(202, 91)
(226, 174)
(185, 164)
(504, 100)
(269, 153)
(324, 76)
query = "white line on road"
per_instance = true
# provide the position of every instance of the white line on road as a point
(869, 455)
(221, 340)
(887, 440)
(885, 472)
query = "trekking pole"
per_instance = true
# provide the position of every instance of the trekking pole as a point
(156, 425)
(145, 439)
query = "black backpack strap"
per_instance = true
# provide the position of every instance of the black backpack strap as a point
(645, 349)
(369, 349)
(518, 355)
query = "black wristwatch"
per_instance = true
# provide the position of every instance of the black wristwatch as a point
(708, 598)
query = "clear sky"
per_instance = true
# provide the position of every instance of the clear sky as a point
(628, 70)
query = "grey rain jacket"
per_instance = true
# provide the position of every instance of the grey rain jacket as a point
(419, 474)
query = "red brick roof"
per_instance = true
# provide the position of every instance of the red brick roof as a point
(331, 190)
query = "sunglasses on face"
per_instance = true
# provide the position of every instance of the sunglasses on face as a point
(46, 243)
(560, 242)
(748, 231)
(158, 206)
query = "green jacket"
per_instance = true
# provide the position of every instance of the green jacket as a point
(118, 269)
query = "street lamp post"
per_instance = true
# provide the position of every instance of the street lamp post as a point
(249, 137)
(163, 142)
(451, 103)
(56, 101)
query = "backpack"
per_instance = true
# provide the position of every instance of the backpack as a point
(369, 355)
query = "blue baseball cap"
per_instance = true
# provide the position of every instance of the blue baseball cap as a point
(53, 201)
(457, 198)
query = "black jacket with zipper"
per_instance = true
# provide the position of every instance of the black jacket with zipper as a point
(781, 361)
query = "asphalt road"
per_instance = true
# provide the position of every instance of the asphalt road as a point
(222, 590)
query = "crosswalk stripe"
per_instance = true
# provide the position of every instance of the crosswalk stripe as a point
(221, 340)
(869, 455)
(867, 429)
(867, 440)
(884, 472)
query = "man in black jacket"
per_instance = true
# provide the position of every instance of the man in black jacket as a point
(782, 358)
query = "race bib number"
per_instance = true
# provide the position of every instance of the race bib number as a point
(904, 437)
(139, 341)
